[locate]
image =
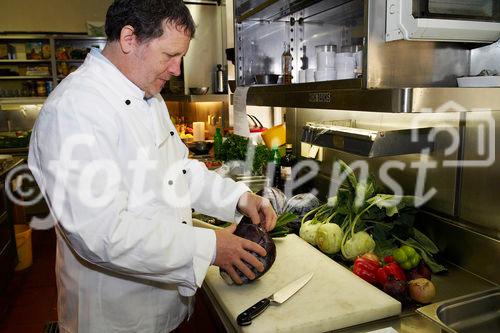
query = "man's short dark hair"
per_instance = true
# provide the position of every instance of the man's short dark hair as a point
(147, 17)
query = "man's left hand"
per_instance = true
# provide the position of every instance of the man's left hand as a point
(258, 209)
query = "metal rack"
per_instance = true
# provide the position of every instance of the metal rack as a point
(348, 95)
(52, 40)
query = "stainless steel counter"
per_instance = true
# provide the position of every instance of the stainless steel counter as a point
(456, 282)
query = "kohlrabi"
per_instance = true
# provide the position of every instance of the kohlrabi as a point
(360, 243)
(329, 237)
(308, 232)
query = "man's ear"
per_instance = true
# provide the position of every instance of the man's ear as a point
(128, 39)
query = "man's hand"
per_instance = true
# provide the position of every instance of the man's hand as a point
(233, 251)
(258, 209)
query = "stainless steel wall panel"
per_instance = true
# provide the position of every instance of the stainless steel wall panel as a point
(480, 198)
(440, 178)
(455, 99)
(205, 49)
(472, 250)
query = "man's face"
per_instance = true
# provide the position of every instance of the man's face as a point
(158, 59)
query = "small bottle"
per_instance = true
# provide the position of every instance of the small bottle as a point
(217, 144)
(287, 163)
(286, 64)
(277, 168)
(304, 59)
(219, 75)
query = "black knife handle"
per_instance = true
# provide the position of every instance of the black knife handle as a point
(245, 318)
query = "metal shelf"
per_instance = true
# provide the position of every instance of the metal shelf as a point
(197, 98)
(53, 40)
(25, 77)
(78, 37)
(24, 37)
(14, 151)
(366, 142)
(71, 60)
(349, 95)
(7, 61)
(22, 100)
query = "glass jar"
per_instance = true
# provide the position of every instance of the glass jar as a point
(41, 90)
(325, 56)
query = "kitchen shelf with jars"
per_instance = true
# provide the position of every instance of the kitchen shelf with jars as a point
(31, 65)
(298, 41)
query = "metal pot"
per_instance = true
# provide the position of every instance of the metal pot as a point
(198, 90)
(200, 147)
(266, 78)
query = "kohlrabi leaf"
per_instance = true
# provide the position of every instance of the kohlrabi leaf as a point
(391, 203)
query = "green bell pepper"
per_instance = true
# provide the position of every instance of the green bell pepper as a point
(406, 257)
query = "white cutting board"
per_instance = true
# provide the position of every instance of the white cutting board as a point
(333, 299)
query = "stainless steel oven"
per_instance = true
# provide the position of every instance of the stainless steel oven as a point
(443, 20)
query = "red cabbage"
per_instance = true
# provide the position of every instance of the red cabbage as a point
(246, 229)
(276, 197)
(299, 205)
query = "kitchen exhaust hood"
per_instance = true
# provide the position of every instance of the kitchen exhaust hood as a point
(347, 137)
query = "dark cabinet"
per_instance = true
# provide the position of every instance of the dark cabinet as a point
(8, 252)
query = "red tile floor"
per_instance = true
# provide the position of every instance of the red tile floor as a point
(32, 295)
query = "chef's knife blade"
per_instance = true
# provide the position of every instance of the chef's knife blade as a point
(279, 297)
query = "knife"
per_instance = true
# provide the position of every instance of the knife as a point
(279, 297)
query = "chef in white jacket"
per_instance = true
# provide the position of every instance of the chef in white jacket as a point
(119, 182)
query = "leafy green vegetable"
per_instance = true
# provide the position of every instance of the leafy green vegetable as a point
(280, 229)
(433, 265)
(425, 242)
(235, 148)
(351, 177)
(391, 203)
(387, 217)
(260, 159)
(285, 218)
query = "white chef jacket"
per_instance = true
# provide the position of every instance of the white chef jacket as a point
(119, 182)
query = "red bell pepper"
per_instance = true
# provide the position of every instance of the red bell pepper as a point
(366, 269)
(388, 259)
(391, 269)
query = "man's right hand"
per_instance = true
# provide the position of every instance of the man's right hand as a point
(233, 251)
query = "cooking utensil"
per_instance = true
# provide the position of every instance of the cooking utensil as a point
(198, 90)
(200, 147)
(258, 127)
(266, 78)
(279, 297)
(255, 120)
